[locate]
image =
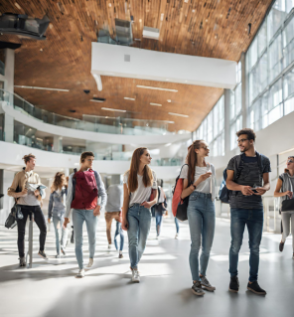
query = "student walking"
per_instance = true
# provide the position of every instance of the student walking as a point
(199, 185)
(29, 201)
(113, 211)
(136, 215)
(56, 211)
(160, 210)
(284, 189)
(84, 188)
(248, 180)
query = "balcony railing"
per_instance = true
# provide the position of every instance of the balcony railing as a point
(101, 124)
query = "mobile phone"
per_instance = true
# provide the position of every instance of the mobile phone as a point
(254, 190)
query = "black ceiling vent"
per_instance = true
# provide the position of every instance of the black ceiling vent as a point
(72, 110)
(98, 99)
(86, 91)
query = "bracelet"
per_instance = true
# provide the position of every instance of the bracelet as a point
(193, 186)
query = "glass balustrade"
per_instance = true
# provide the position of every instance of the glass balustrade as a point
(101, 124)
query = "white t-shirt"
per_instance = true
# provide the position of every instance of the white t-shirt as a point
(208, 185)
(142, 193)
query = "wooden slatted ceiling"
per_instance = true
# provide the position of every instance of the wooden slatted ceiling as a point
(211, 28)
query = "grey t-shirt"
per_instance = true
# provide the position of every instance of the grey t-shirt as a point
(142, 193)
(288, 184)
(249, 175)
(114, 198)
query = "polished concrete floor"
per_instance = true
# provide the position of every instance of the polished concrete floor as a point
(50, 288)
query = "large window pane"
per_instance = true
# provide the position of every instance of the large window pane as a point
(261, 39)
(276, 17)
(289, 92)
(275, 58)
(288, 42)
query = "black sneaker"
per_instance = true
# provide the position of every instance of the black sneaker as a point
(255, 288)
(22, 262)
(234, 284)
(43, 255)
(281, 246)
(196, 289)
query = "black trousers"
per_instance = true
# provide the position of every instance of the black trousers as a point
(21, 227)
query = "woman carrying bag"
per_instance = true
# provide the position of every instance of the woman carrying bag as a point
(284, 189)
(139, 183)
(199, 185)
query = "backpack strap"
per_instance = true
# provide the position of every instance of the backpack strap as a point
(74, 184)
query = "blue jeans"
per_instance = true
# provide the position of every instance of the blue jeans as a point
(120, 232)
(254, 220)
(139, 219)
(158, 217)
(58, 225)
(201, 217)
(79, 216)
(177, 225)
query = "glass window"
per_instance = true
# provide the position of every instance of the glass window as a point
(275, 102)
(275, 58)
(261, 38)
(276, 17)
(289, 92)
(288, 43)
(2, 61)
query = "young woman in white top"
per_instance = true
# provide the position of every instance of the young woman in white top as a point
(199, 185)
(284, 189)
(136, 214)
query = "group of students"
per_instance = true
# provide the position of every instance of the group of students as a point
(247, 180)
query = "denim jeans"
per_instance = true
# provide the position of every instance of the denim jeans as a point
(254, 220)
(139, 219)
(58, 226)
(158, 217)
(79, 216)
(201, 217)
(119, 232)
(177, 225)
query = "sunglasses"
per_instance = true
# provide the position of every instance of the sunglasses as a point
(290, 160)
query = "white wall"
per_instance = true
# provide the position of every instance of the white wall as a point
(108, 60)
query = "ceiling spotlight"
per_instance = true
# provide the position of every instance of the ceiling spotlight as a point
(168, 100)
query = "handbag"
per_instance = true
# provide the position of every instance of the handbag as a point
(288, 204)
(15, 214)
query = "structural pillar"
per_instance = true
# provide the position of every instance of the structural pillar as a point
(244, 91)
(227, 102)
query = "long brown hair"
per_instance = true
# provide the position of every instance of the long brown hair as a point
(58, 182)
(192, 158)
(134, 168)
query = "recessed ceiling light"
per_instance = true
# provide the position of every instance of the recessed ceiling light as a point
(168, 100)
(178, 114)
(41, 88)
(111, 109)
(193, 11)
(156, 88)
(128, 98)
(155, 104)
(17, 5)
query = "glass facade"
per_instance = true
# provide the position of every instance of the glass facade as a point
(269, 63)
(212, 129)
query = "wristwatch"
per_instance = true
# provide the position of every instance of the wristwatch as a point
(193, 186)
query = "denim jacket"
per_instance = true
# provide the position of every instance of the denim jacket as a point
(57, 203)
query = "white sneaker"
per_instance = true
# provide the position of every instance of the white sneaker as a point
(109, 246)
(157, 238)
(91, 261)
(81, 273)
(135, 276)
(176, 237)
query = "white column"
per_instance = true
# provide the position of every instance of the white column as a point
(57, 144)
(227, 120)
(244, 91)
(9, 86)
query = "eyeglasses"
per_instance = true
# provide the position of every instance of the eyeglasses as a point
(241, 141)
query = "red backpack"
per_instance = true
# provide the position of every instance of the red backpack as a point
(85, 191)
